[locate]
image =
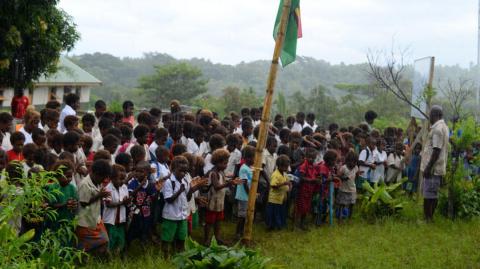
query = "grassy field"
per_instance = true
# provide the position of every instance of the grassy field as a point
(403, 242)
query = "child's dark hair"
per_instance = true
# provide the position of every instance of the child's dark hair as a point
(53, 104)
(70, 138)
(351, 157)
(198, 130)
(232, 139)
(283, 160)
(105, 123)
(248, 152)
(156, 112)
(247, 123)
(126, 131)
(161, 132)
(29, 149)
(71, 99)
(36, 132)
(65, 155)
(330, 157)
(17, 136)
(116, 169)
(110, 140)
(137, 151)
(102, 155)
(70, 121)
(5, 117)
(307, 131)
(271, 140)
(101, 168)
(188, 127)
(115, 132)
(178, 161)
(284, 134)
(88, 118)
(311, 151)
(178, 149)
(127, 104)
(284, 150)
(219, 156)
(123, 159)
(216, 141)
(100, 104)
(140, 131)
(161, 151)
(87, 141)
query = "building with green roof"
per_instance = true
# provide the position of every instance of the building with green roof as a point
(69, 78)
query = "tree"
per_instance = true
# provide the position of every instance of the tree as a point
(457, 93)
(173, 81)
(32, 36)
(235, 99)
(388, 71)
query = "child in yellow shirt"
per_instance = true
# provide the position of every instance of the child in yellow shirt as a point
(279, 187)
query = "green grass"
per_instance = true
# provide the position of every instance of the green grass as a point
(402, 242)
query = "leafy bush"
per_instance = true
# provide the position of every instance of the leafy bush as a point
(24, 197)
(381, 200)
(218, 256)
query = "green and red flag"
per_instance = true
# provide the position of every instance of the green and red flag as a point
(293, 32)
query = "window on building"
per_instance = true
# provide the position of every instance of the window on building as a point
(52, 93)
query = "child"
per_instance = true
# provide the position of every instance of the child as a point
(71, 123)
(309, 183)
(380, 162)
(64, 195)
(216, 194)
(347, 192)
(51, 117)
(413, 170)
(235, 154)
(161, 136)
(71, 141)
(5, 127)
(142, 194)
(29, 165)
(17, 140)
(111, 143)
(279, 186)
(128, 109)
(395, 164)
(72, 104)
(245, 173)
(141, 135)
(32, 119)
(91, 232)
(160, 166)
(216, 142)
(177, 191)
(197, 145)
(88, 122)
(39, 138)
(366, 162)
(55, 142)
(114, 211)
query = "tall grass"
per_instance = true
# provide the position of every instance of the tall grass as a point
(401, 242)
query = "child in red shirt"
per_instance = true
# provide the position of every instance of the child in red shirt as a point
(19, 105)
(15, 154)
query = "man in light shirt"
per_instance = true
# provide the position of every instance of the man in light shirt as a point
(72, 102)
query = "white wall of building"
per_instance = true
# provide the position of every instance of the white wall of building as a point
(85, 95)
(40, 96)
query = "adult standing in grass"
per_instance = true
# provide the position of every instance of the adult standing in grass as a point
(434, 161)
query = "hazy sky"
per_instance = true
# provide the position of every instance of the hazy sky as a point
(228, 31)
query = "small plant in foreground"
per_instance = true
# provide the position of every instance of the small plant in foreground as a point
(218, 256)
(380, 200)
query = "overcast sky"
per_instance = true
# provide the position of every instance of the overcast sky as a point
(228, 31)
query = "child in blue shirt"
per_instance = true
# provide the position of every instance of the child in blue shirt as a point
(245, 173)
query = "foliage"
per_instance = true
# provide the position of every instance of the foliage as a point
(24, 197)
(179, 81)
(218, 256)
(32, 34)
(466, 133)
(381, 200)
(382, 122)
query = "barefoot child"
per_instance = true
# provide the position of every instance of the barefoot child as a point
(91, 232)
(279, 186)
(114, 212)
(347, 192)
(245, 173)
(216, 194)
(177, 192)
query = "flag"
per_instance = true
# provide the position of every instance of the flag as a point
(293, 32)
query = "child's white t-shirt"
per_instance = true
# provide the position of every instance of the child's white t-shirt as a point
(197, 150)
(368, 157)
(394, 175)
(116, 196)
(379, 173)
(178, 209)
(161, 170)
(233, 160)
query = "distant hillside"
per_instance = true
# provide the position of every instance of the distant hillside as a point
(120, 75)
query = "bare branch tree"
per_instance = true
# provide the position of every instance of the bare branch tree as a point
(457, 93)
(387, 70)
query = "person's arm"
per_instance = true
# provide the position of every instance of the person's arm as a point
(433, 160)
(174, 197)
(101, 194)
(215, 182)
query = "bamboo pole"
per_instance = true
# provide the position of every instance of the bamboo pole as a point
(262, 136)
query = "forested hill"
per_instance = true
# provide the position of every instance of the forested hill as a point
(303, 75)
(119, 75)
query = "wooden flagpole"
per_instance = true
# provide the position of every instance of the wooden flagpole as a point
(262, 136)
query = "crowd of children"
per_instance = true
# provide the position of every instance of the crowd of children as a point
(124, 177)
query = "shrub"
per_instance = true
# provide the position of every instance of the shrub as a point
(218, 256)
(381, 200)
(24, 198)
